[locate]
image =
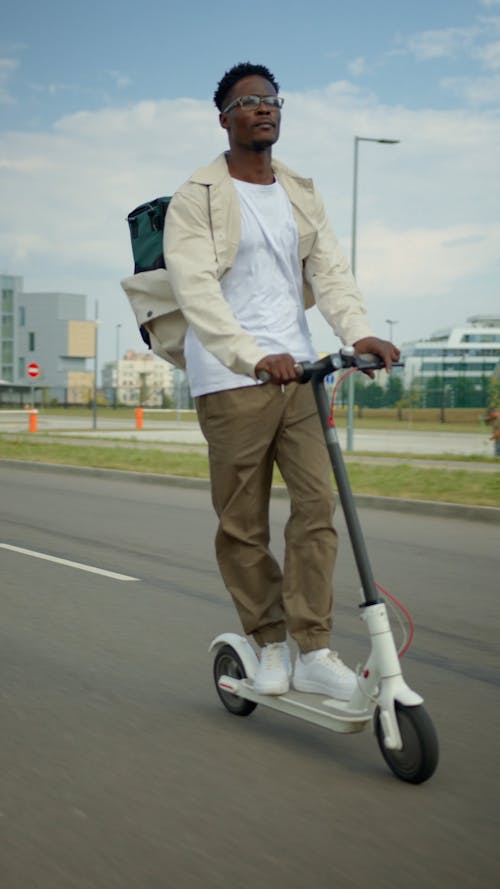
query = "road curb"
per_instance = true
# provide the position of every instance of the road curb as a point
(488, 514)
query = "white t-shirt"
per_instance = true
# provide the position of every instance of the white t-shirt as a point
(263, 288)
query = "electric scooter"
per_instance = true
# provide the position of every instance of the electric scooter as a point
(404, 731)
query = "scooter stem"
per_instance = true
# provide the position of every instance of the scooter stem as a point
(369, 588)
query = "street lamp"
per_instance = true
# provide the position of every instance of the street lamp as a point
(391, 325)
(96, 364)
(350, 390)
(117, 363)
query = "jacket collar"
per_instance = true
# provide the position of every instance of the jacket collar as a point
(217, 172)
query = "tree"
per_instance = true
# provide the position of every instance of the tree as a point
(394, 391)
(372, 396)
(494, 391)
(433, 392)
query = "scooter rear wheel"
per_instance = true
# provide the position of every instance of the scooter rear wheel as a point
(418, 758)
(228, 663)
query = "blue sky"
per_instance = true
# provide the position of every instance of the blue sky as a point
(103, 105)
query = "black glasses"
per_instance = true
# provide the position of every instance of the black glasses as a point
(254, 102)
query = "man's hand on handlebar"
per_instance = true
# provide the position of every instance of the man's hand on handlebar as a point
(282, 369)
(387, 351)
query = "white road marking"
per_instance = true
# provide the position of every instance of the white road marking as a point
(79, 565)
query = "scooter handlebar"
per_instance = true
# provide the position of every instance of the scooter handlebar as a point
(342, 360)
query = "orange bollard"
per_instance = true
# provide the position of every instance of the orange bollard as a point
(33, 421)
(139, 418)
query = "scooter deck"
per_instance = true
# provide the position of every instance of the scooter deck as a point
(326, 712)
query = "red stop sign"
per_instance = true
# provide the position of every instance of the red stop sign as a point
(33, 370)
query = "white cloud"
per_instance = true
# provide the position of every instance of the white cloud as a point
(120, 80)
(474, 42)
(7, 68)
(489, 55)
(357, 67)
(442, 43)
(427, 208)
(476, 45)
(425, 262)
(56, 88)
(475, 91)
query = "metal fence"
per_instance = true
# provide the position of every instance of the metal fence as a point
(435, 392)
(59, 396)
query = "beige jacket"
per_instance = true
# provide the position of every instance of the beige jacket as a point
(202, 232)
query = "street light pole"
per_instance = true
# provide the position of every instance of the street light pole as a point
(94, 400)
(117, 363)
(350, 380)
(391, 325)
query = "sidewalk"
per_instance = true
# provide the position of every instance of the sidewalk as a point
(175, 432)
(399, 441)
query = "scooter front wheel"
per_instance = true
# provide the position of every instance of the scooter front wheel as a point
(228, 663)
(418, 758)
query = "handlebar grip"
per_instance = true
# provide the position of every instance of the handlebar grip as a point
(264, 376)
(367, 359)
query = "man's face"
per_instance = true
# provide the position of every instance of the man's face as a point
(257, 127)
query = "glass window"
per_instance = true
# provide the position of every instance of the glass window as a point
(7, 300)
(22, 316)
(481, 338)
(7, 351)
(31, 341)
(7, 327)
(21, 367)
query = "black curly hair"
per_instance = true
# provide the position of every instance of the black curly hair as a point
(238, 72)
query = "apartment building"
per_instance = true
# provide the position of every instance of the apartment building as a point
(52, 330)
(139, 378)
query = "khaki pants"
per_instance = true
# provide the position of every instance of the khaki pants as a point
(248, 430)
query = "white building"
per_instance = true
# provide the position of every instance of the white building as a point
(471, 352)
(139, 378)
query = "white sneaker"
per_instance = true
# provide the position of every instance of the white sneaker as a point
(274, 670)
(322, 672)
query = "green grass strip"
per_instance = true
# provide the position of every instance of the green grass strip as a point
(396, 480)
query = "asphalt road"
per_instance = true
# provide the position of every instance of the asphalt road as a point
(119, 766)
